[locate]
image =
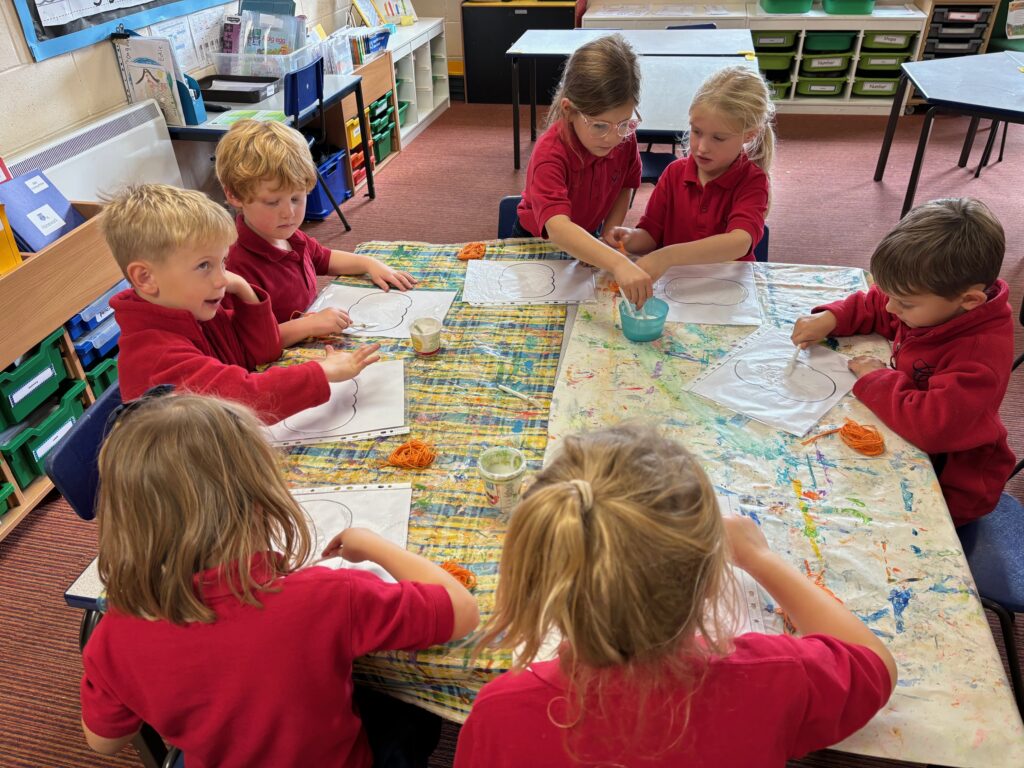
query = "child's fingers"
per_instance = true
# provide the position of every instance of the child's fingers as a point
(334, 546)
(381, 283)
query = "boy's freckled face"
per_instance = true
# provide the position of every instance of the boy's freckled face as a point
(192, 278)
(273, 213)
(923, 310)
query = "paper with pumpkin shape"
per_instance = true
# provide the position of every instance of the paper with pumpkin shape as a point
(528, 281)
(389, 313)
(710, 294)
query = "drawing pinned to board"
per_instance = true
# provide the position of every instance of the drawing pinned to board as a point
(710, 294)
(753, 380)
(384, 509)
(528, 281)
(372, 404)
(383, 313)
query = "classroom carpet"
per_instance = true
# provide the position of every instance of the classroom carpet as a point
(445, 187)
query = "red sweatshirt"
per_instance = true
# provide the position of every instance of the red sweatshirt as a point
(943, 390)
(160, 345)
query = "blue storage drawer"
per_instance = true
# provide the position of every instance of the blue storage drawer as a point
(98, 343)
(94, 314)
(318, 204)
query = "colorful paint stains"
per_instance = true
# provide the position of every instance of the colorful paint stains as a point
(900, 599)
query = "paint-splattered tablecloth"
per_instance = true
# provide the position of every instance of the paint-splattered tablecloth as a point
(872, 531)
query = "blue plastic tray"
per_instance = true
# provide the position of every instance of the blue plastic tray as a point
(94, 314)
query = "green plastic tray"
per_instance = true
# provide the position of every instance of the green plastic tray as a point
(786, 6)
(25, 445)
(827, 62)
(825, 42)
(897, 40)
(6, 489)
(24, 387)
(775, 60)
(773, 38)
(102, 375)
(849, 7)
(779, 90)
(882, 62)
(820, 87)
(875, 86)
(403, 107)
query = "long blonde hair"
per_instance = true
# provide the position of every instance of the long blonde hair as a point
(188, 483)
(618, 546)
(741, 96)
(600, 75)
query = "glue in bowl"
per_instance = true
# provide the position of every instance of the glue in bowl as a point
(649, 322)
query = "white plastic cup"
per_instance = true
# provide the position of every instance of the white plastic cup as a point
(425, 333)
(502, 470)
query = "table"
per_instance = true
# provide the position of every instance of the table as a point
(558, 43)
(336, 88)
(986, 86)
(873, 531)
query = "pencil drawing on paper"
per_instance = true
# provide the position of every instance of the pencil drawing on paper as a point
(383, 310)
(527, 281)
(706, 290)
(327, 518)
(332, 416)
(804, 385)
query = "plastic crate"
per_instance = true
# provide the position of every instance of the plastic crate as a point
(379, 124)
(882, 62)
(380, 106)
(382, 143)
(786, 6)
(25, 445)
(971, 15)
(403, 107)
(24, 387)
(773, 38)
(353, 132)
(957, 47)
(95, 313)
(265, 65)
(957, 30)
(875, 86)
(779, 89)
(318, 204)
(6, 489)
(888, 41)
(98, 343)
(775, 59)
(102, 375)
(820, 87)
(829, 42)
(849, 7)
(828, 62)
(358, 176)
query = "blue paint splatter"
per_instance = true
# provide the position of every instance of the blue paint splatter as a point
(914, 531)
(880, 614)
(899, 598)
(752, 515)
(517, 426)
(908, 495)
(915, 549)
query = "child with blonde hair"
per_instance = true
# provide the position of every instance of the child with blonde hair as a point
(172, 245)
(710, 206)
(586, 165)
(619, 547)
(266, 170)
(217, 634)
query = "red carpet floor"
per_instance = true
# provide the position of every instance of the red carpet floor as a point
(445, 188)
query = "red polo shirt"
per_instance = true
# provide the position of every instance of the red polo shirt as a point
(682, 210)
(288, 276)
(260, 686)
(565, 178)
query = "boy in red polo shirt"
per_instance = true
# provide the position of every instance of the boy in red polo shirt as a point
(938, 299)
(171, 244)
(710, 206)
(586, 165)
(267, 170)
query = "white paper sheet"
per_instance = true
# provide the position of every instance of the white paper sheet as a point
(384, 509)
(710, 294)
(391, 312)
(752, 380)
(533, 281)
(370, 405)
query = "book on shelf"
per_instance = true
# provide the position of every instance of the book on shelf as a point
(37, 211)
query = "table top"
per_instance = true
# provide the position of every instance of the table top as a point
(667, 86)
(646, 42)
(991, 81)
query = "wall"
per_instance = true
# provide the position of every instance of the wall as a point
(451, 12)
(46, 99)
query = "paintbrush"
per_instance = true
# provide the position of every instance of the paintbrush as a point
(792, 361)
(629, 304)
(361, 326)
(520, 395)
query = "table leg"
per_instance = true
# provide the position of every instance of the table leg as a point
(1002, 144)
(515, 112)
(364, 122)
(987, 154)
(890, 129)
(533, 99)
(965, 153)
(915, 173)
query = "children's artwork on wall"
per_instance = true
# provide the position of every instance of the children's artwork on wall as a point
(710, 294)
(370, 405)
(368, 12)
(755, 379)
(384, 313)
(384, 509)
(547, 281)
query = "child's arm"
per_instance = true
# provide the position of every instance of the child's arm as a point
(631, 240)
(323, 323)
(810, 609)
(104, 745)
(615, 217)
(861, 312)
(345, 263)
(359, 544)
(730, 246)
(580, 244)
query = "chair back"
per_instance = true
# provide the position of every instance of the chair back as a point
(303, 88)
(72, 464)
(761, 249)
(507, 215)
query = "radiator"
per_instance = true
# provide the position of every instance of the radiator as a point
(94, 161)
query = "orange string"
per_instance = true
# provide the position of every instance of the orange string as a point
(472, 251)
(863, 439)
(464, 576)
(414, 454)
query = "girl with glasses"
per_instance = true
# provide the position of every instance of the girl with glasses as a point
(586, 165)
(710, 206)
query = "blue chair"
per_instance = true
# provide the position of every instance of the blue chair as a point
(761, 249)
(302, 89)
(507, 215)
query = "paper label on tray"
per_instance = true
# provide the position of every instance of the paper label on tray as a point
(32, 385)
(45, 448)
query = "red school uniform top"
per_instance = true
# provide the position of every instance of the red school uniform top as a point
(943, 391)
(773, 698)
(258, 686)
(682, 210)
(289, 277)
(161, 345)
(565, 178)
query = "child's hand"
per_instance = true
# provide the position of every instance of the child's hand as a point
(811, 329)
(635, 283)
(342, 366)
(327, 321)
(384, 277)
(239, 286)
(354, 544)
(864, 364)
(745, 539)
(617, 237)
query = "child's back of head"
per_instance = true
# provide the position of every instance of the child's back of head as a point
(741, 97)
(600, 76)
(255, 151)
(943, 247)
